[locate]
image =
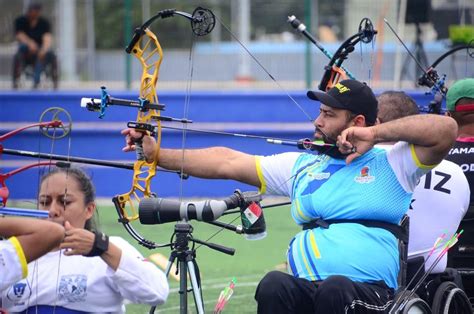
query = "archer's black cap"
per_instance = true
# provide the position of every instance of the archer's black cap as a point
(351, 95)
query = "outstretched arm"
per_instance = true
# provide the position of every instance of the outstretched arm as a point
(431, 135)
(211, 163)
(36, 237)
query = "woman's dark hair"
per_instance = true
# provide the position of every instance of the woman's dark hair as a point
(86, 187)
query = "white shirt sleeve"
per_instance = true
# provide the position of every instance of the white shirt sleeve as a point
(404, 162)
(439, 203)
(136, 278)
(275, 173)
(13, 266)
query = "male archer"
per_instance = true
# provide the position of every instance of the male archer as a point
(348, 198)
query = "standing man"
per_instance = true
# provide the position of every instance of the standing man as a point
(349, 198)
(33, 33)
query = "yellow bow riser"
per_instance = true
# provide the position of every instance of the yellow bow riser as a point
(148, 51)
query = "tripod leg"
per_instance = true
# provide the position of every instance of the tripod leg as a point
(170, 263)
(183, 287)
(196, 288)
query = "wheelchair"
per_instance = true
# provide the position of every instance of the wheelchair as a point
(438, 294)
(461, 256)
(23, 72)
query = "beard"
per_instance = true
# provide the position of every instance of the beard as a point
(329, 138)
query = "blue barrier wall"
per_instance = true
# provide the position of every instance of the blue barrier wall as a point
(261, 113)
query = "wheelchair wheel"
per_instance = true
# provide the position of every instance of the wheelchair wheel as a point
(416, 306)
(450, 299)
(23, 73)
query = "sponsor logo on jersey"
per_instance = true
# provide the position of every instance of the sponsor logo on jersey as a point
(467, 167)
(461, 150)
(319, 175)
(364, 176)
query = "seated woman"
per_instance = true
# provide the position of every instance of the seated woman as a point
(86, 273)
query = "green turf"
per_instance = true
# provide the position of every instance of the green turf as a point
(251, 261)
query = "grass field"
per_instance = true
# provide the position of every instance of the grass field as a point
(251, 261)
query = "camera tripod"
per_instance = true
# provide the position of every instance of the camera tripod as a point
(186, 260)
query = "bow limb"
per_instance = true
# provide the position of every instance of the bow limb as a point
(44, 128)
(430, 77)
(334, 72)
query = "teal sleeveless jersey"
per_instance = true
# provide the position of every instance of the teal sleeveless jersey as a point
(327, 188)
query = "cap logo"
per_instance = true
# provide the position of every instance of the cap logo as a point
(341, 88)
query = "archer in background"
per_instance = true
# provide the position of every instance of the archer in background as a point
(349, 199)
(28, 239)
(439, 203)
(86, 272)
(33, 33)
(460, 106)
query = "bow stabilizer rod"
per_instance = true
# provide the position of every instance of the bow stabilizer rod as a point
(82, 160)
(300, 27)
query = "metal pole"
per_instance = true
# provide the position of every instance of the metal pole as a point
(127, 22)
(90, 38)
(308, 66)
(146, 8)
(244, 37)
(401, 32)
(216, 33)
(67, 38)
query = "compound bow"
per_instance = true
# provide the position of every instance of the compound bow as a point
(145, 46)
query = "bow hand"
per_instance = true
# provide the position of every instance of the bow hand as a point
(132, 136)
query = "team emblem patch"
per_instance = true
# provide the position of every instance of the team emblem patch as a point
(364, 176)
(18, 292)
(73, 288)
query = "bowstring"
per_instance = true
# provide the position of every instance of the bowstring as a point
(264, 69)
(187, 102)
(49, 167)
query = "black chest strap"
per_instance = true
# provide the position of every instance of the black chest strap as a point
(399, 232)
